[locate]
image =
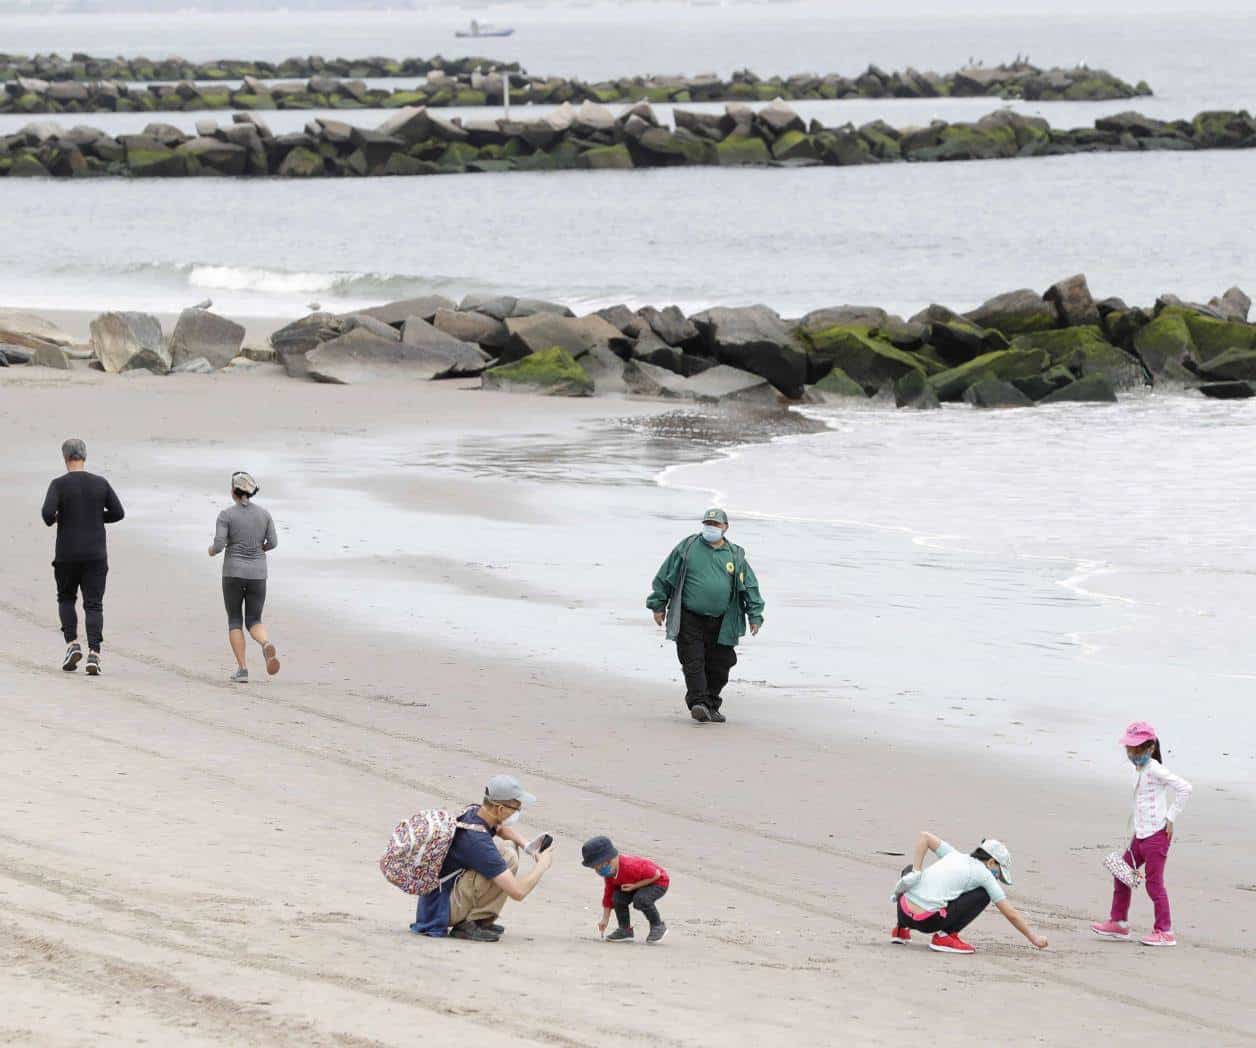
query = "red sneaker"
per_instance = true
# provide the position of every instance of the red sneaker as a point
(900, 936)
(949, 944)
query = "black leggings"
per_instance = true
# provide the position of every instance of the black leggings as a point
(642, 899)
(960, 913)
(244, 599)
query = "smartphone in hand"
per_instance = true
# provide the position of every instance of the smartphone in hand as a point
(539, 844)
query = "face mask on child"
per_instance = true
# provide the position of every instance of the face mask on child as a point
(711, 534)
(605, 871)
(1139, 760)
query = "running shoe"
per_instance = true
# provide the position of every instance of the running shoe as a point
(1159, 939)
(717, 717)
(900, 936)
(949, 943)
(271, 657)
(1112, 929)
(700, 713)
(240, 677)
(73, 656)
(93, 663)
(657, 932)
(620, 935)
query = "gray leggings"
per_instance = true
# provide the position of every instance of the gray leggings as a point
(244, 599)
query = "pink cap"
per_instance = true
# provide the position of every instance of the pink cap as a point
(1138, 733)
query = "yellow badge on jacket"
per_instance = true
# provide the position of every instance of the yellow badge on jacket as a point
(729, 567)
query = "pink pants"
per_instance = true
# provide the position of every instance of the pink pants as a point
(1151, 852)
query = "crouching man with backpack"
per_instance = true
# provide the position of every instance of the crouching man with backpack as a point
(478, 855)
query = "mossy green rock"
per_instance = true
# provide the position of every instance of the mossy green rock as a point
(606, 158)
(1085, 352)
(1035, 387)
(156, 162)
(469, 97)
(794, 145)
(301, 163)
(1091, 389)
(1004, 364)
(400, 99)
(553, 372)
(1165, 345)
(535, 162)
(27, 166)
(247, 100)
(1231, 365)
(913, 390)
(870, 361)
(458, 155)
(839, 384)
(995, 393)
(1214, 337)
(738, 150)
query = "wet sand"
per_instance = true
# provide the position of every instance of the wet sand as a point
(186, 861)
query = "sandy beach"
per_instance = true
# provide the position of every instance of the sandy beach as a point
(185, 861)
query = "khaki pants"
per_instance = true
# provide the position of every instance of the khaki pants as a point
(475, 897)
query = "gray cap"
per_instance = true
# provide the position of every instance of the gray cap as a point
(507, 788)
(998, 851)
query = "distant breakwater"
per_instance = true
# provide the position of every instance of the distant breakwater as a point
(476, 82)
(419, 141)
(1018, 349)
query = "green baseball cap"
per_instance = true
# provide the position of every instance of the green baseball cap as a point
(717, 516)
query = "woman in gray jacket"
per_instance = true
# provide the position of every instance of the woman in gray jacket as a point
(247, 533)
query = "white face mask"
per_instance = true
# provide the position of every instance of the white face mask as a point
(511, 820)
(712, 533)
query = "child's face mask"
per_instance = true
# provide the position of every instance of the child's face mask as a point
(1139, 760)
(606, 871)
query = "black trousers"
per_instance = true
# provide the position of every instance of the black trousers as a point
(88, 576)
(705, 662)
(642, 899)
(960, 913)
(244, 600)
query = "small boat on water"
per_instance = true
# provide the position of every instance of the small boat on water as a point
(478, 30)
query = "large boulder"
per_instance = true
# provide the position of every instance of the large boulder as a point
(868, 317)
(216, 156)
(1003, 365)
(26, 329)
(411, 125)
(995, 393)
(644, 379)
(1092, 389)
(1073, 302)
(361, 356)
(670, 325)
(350, 321)
(1233, 305)
(1085, 352)
(552, 372)
(1165, 346)
(449, 357)
(755, 339)
(871, 361)
(293, 341)
(1231, 365)
(1214, 337)
(545, 330)
(1229, 390)
(50, 356)
(396, 313)
(200, 333)
(957, 339)
(470, 326)
(1015, 313)
(724, 383)
(606, 368)
(129, 342)
(837, 385)
(914, 390)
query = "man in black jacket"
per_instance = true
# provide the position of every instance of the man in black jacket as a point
(81, 504)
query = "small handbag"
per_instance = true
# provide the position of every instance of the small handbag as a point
(1115, 864)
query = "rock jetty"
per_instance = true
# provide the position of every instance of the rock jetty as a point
(204, 88)
(1018, 349)
(419, 141)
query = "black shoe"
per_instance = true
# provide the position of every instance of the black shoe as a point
(93, 663)
(699, 713)
(620, 935)
(472, 932)
(717, 717)
(73, 655)
(657, 931)
(489, 925)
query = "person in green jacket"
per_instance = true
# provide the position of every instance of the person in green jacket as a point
(704, 594)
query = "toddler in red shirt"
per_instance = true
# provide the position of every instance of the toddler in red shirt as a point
(630, 881)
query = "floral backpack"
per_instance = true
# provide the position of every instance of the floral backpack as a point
(418, 849)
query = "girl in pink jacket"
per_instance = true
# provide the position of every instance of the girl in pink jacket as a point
(1159, 797)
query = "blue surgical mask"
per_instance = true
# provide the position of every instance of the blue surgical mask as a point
(606, 871)
(711, 534)
(1141, 760)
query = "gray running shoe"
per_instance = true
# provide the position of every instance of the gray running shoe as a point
(699, 713)
(472, 932)
(73, 656)
(620, 935)
(93, 663)
(240, 677)
(656, 933)
(717, 717)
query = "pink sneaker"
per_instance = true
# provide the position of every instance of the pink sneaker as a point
(1160, 939)
(1111, 929)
